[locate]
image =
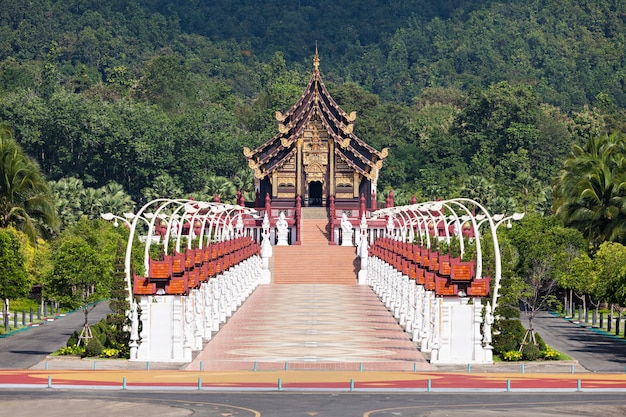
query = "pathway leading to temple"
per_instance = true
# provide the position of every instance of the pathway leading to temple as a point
(312, 316)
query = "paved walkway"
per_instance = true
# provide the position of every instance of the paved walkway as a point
(316, 326)
(28, 347)
(593, 350)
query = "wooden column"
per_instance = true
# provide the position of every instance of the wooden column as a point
(299, 167)
(331, 171)
(275, 183)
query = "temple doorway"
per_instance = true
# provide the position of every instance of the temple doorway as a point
(315, 194)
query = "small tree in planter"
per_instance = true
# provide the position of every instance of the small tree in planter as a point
(78, 279)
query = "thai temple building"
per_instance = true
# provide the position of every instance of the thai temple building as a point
(316, 155)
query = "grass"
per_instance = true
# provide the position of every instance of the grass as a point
(23, 305)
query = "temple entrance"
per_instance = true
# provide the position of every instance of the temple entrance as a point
(315, 194)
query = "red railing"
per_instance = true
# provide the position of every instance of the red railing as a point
(178, 273)
(442, 273)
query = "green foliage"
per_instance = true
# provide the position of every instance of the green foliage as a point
(25, 201)
(106, 340)
(14, 282)
(508, 335)
(589, 192)
(512, 356)
(73, 340)
(109, 93)
(609, 266)
(118, 302)
(545, 252)
(531, 352)
(93, 348)
(83, 258)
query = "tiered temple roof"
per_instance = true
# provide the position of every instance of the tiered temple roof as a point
(316, 103)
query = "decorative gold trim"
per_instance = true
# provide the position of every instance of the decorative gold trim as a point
(379, 164)
(384, 152)
(282, 128)
(351, 117)
(280, 117)
(252, 164)
(344, 143)
(285, 142)
(348, 129)
(258, 174)
(247, 152)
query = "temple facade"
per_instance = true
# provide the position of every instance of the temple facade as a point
(316, 155)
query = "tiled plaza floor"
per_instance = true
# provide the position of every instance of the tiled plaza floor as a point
(313, 326)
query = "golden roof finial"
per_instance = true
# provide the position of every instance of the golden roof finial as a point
(316, 60)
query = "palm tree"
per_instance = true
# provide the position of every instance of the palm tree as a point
(502, 205)
(115, 199)
(478, 188)
(91, 202)
(25, 199)
(67, 192)
(528, 188)
(244, 180)
(217, 186)
(163, 186)
(590, 192)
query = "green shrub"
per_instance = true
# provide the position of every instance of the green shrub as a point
(531, 352)
(93, 348)
(73, 340)
(509, 312)
(101, 330)
(512, 355)
(542, 345)
(107, 336)
(24, 304)
(508, 335)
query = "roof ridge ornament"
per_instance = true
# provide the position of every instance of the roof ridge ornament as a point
(316, 60)
(280, 117)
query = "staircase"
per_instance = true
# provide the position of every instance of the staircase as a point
(314, 261)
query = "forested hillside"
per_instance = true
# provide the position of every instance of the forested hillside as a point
(480, 98)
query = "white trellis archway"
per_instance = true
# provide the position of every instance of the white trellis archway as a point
(207, 268)
(416, 281)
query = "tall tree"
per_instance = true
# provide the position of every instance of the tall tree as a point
(590, 192)
(545, 252)
(610, 265)
(14, 282)
(25, 199)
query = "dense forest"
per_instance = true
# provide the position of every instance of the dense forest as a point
(477, 98)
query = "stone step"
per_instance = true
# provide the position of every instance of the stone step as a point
(314, 213)
(314, 232)
(319, 264)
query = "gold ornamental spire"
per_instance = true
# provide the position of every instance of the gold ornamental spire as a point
(316, 60)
